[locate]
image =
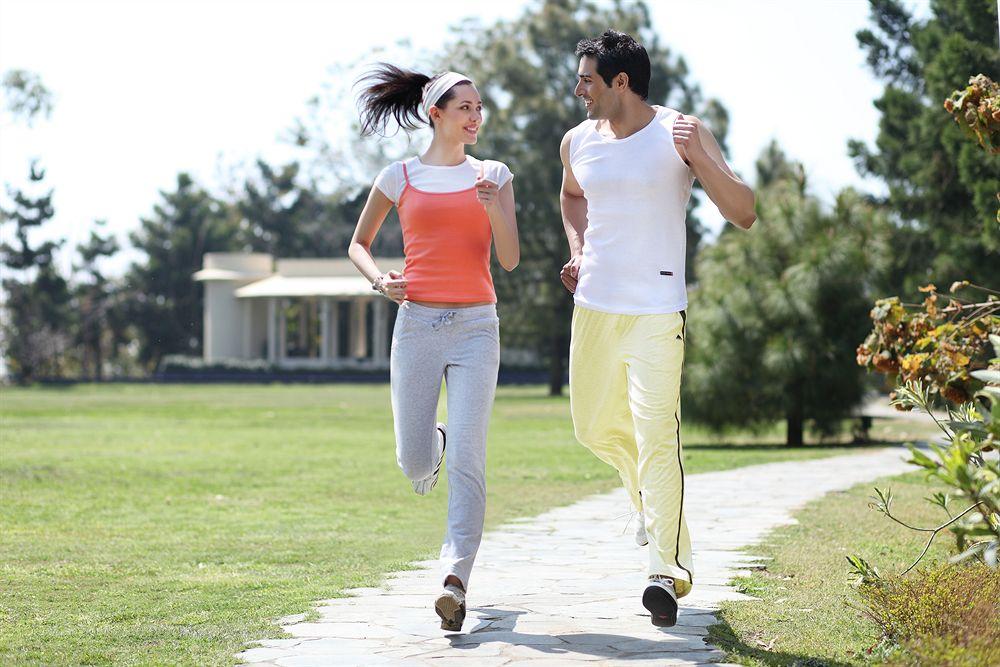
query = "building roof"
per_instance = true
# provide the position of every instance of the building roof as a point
(291, 277)
(307, 286)
(226, 274)
(236, 266)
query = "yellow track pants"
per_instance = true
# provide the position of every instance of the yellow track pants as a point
(624, 385)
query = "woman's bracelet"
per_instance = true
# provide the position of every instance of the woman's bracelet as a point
(379, 283)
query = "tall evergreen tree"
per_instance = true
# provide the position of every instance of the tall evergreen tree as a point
(275, 212)
(96, 297)
(38, 313)
(779, 310)
(166, 303)
(942, 188)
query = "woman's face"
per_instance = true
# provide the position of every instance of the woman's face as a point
(461, 117)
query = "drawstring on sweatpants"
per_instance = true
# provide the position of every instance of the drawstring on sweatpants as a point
(444, 319)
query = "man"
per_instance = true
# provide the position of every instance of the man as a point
(627, 176)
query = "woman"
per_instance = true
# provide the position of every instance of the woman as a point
(450, 206)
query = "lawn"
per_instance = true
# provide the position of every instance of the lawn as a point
(809, 613)
(173, 524)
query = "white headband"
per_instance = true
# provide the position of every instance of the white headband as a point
(437, 87)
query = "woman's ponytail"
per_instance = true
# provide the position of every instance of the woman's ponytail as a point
(391, 92)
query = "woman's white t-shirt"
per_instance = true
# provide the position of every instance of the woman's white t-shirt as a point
(433, 178)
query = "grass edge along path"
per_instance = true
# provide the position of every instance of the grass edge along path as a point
(808, 612)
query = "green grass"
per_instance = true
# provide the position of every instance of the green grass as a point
(173, 524)
(809, 614)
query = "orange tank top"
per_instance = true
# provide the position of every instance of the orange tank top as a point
(446, 243)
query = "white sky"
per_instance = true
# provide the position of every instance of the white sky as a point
(147, 88)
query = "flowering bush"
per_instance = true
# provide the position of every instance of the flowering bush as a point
(977, 110)
(939, 345)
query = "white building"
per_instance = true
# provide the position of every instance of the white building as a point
(296, 313)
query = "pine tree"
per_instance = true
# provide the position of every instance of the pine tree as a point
(38, 315)
(942, 188)
(166, 303)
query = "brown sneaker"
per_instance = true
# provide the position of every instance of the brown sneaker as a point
(450, 606)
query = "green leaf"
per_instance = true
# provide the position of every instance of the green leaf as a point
(922, 460)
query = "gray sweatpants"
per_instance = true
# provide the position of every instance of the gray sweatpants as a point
(463, 347)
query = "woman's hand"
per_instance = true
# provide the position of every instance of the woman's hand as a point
(392, 285)
(486, 191)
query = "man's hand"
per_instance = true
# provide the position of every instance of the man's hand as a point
(571, 273)
(687, 139)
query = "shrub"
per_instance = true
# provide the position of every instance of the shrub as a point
(948, 615)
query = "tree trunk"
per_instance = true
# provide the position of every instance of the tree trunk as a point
(98, 356)
(795, 421)
(556, 365)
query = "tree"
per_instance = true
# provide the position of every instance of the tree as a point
(778, 310)
(530, 60)
(27, 97)
(166, 303)
(276, 211)
(96, 297)
(38, 311)
(285, 217)
(941, 187)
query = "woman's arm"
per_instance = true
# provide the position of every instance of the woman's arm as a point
(392, 284)
(503, 220)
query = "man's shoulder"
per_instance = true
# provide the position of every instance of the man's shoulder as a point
(580, 128)
(666, 116)
(572, 137)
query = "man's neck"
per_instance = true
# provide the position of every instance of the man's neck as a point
(634, 116)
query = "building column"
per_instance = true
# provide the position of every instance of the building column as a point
(272, 329)
(380, 323)
(334, 330)
(359, 326)
(324, 328)
(282, 329)
(247, 306)
(304, 343)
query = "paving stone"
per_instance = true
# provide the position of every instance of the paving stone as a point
(565, 587)
(264, 654)
(471, 661)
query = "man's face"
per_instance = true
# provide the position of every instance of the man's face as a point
(597, 97)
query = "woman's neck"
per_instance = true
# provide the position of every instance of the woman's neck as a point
(443, 154)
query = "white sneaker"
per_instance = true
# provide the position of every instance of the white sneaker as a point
(640, 531)
(660, 599)
(423, 487)
(450, 607)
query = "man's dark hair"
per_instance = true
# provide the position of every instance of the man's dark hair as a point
(618, 52)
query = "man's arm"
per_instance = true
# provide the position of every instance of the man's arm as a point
(698, 147)
(573, 205)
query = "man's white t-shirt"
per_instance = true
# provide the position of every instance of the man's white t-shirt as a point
(637, 190)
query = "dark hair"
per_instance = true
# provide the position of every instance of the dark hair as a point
(618, 52)
(393, 92)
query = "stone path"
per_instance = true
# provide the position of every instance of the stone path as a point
(564, 587)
